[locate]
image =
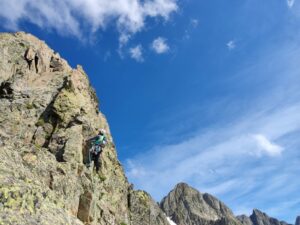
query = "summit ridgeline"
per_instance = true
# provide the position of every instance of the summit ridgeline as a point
(47, 112)
(185, 205)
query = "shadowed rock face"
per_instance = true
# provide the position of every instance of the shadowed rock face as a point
(47, 112)
(297, 221)
(245, 220)
(260, 218)
(186, 206)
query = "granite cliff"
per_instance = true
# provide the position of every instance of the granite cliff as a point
(47, 112)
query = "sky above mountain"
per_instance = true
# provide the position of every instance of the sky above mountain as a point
(205, 92)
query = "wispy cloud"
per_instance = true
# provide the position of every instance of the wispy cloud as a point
(137, 53)
(231, 45)
(193, 24)
(222, 150)
(267, 146)
(236, 160)
(160, 46)
(290, 3)
(74, 17)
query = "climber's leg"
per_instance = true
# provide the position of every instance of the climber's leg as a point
(96, 161)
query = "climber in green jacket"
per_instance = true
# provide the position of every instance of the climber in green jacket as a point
(98, 143)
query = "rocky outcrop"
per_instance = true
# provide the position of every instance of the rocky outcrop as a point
(47, 112)
(259, 218)
(187, 206)
(245, 220)
(144, 210)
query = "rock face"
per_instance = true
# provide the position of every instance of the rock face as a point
(260, 218)
(47, 112)
(146, 211)
(297, 221)
(245, 220)
(187, 206)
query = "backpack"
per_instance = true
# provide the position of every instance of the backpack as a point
(100, 140)
(98, 143)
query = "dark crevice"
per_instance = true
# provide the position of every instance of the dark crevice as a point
(53, 119)
(28, 57)
(128, 201)
(130, 189)
(60, 153)
(31, 56)
(51, 181)
(6, 91)
(77, 120)
(50, 116)
(36, 62)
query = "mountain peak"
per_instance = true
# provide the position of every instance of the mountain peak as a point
(260, 218)
(182, 185)
(186, 205)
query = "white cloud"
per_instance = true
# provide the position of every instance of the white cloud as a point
(123, 39)
(192, 26)
(160, 46)
(74, 17)
(290, 3)
(231, 45)
(137, 53)
(227, 151)
(266, 146)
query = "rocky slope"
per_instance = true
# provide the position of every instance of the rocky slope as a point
(187, 206)
(47, 112)
(260, 218)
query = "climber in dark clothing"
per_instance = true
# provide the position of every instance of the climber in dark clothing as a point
(98, 143)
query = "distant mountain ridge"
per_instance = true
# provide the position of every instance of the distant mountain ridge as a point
(187, 206)
(260, 218)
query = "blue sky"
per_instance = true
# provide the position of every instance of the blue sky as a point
(205, 92)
